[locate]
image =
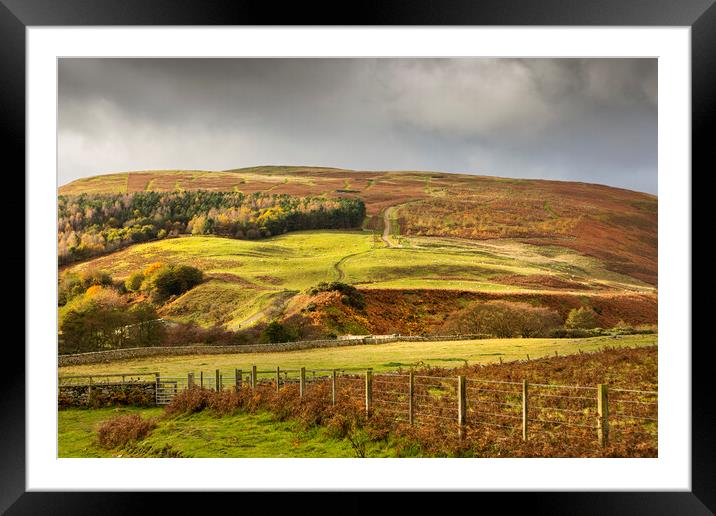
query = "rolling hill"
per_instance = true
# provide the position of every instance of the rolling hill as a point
(430, 240)
(614, 225)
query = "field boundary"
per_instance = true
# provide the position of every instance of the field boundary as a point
(100, 357)
(464, 403)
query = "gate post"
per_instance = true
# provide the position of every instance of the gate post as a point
(253, 376)
(157, 381)
(190, 380)
(278, 378)
(217, 380)
(302, 383)
(238, 377)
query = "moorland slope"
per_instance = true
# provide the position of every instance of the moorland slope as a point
(431, 243)
(615, 225)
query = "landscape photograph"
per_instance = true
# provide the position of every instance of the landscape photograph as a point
(357, 258)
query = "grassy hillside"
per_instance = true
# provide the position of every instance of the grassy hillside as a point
(616, 226)
(250, 279)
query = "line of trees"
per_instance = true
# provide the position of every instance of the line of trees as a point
(509, 319)
(92, 224)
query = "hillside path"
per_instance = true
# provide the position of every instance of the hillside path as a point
(386, 226)
(337, 265)
(274, 308)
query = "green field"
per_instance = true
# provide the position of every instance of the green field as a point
(205, 435)
(380, 357)
(248, 278)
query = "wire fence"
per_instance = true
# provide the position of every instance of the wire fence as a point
(449, 402)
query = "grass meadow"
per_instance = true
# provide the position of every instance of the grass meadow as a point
(381, 357)
(246, 278)
(204, 435)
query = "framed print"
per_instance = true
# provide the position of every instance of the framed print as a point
(434, 251)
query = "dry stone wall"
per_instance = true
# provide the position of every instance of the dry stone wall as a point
(99, 357)
(107, 394)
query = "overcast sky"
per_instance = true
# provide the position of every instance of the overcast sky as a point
(591, 120)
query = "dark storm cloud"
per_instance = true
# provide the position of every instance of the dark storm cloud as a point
(591, 120)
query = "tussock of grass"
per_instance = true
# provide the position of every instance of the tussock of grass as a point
(123, 430)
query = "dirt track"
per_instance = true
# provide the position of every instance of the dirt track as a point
(386, 226)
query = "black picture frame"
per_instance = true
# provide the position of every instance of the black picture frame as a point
(700, 15)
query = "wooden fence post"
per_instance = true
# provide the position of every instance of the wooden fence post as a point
(157, 381)
(190, 380)
(253, 376)
(218, 380)
(278, 378)
(525, 409)
(334, 387)
(602, 414)
(411, 386)
(461, 405)
(302, 383)
(238, 377)
(201, 379)
(368, 391)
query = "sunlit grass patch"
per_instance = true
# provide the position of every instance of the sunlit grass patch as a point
(381, 357)
(203, 435)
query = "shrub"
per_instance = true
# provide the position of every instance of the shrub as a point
(276, 332)
(122, 430)
(189, 401)
(149, 269)
(583, 317)
(503, 319)
(171, 280)
(185, 334)
(573, 333)
(72, 284)
(134, 282)
(351, 296)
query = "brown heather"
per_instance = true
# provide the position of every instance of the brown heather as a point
(122, 430)
(438, 437)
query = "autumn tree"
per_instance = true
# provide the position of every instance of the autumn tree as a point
(171, 280)
(582, 317)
